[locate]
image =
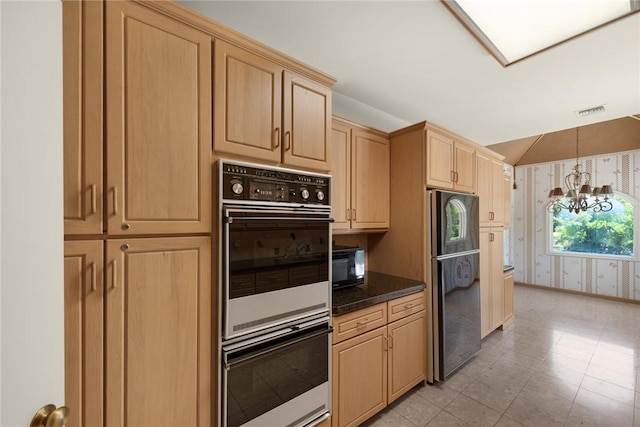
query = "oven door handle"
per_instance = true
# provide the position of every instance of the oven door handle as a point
(230, 219)
(240, 360)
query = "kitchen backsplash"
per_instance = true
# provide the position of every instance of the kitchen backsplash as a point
(534, 265)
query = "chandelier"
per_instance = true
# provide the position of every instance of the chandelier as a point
(579, 196)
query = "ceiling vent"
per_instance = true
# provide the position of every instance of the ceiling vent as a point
(590, 111)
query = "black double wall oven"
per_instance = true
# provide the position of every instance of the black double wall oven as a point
(276, 333)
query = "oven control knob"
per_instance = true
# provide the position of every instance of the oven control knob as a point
(320, 195)
(304, 193)
(237, 188)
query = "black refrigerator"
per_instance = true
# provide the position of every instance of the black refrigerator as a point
(455, 270)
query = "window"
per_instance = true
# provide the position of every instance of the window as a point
(610, 233)
(456, 221)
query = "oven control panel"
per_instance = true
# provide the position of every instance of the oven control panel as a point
(251, 182)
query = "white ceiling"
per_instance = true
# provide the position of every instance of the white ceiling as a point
(400, 62)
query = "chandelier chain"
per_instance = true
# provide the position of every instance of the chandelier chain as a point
(577, 145)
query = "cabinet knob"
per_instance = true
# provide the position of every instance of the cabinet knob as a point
(126, 226)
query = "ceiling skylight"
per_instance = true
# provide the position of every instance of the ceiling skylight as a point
(515, 29)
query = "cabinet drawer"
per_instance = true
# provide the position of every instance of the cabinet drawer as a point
(404, 306)
(355, 323)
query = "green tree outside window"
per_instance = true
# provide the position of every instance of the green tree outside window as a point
(605, 233)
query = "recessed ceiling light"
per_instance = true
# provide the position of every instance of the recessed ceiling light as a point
(590, 111)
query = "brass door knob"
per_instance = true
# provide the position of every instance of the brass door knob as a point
(50, 416)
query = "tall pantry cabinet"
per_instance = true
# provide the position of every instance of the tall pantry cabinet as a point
(491, 188)
(138, 205)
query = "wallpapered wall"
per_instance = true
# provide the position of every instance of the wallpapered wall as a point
(533, 265)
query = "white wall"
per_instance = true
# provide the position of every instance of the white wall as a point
(31, 250)
(357, 111)
(602, 276)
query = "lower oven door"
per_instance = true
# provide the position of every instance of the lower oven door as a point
(276, 268)
(281, 379)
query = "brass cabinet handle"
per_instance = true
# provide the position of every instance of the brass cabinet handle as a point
(287, 134)
(94, 278)
(348, 214)
(115, 200)
(353, 216)
(114, 270)
(362, 322)
(276, 142)
(457, 177)
(453, 176)
(408, 306)
(94, 200)
(390, 341)
(386, 344)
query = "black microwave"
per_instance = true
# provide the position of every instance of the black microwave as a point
(347, 266)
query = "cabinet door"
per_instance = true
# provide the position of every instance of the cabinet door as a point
(407, 354)
(247, 115)
(497, 193)
(158, 123)
(497, 279)
(506, 186)
(439, 163)
(83, 332)
(484, 189)
(359, 378)
(485, 281)
(465, 167)
(508, 296)
(306, 110)
(341, 176)
(82, 99)
(159, 334)
(370, 180)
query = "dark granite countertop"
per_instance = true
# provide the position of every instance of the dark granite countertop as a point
(377, 288)
(507, 268)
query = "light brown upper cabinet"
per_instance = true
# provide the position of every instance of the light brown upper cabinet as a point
(266, 112)
(450, 163)
(491, 189)
(82, 104)
(360, 170)
(159, 332)
(158, 75)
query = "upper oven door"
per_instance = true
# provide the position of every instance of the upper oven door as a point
(276, 264)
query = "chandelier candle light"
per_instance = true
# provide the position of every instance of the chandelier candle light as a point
(579, 195)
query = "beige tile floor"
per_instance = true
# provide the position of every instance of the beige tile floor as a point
(568, 360)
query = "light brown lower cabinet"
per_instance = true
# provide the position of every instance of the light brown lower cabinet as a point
(373, 365)
(508, 298)
(158, 332)
(83, 332)
(492, 293)
(407, 363)
(138, 332)
(359, 378)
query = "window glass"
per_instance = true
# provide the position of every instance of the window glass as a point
(599, 233)
(456, 220)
